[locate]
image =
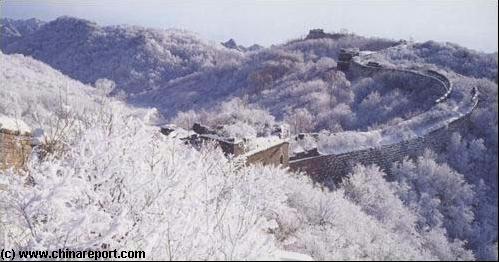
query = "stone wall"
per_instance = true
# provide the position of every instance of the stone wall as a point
(228, 145)
(15, 149)
(274, 155)
(335, 167)
(432, 85)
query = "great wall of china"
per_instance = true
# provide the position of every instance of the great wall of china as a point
(430, 129)
(449, 110)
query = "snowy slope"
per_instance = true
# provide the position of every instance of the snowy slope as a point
(175, 71)
(135, 58)
(119, 182)
(12, 30)
(37, 94)
(13, 124)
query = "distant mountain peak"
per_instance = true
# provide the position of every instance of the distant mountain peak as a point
(12, 30)
(136, 58)
(69, 22)
(72, 19)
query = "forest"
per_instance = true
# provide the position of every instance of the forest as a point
(102, 174)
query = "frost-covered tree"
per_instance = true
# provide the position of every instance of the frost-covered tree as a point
(186, 119)
(368, 187)
(300, 121)
(135, 58)
(103, 176)
(441, 196)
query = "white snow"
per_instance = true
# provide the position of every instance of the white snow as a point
(282, 255)
(121, 178)
(180, 133)
(13, 124)
(365, 53)
(257, 144)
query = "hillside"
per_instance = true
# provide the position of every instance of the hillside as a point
(175, 71)
(12, 30)
(136, 58)
(103, 173)
(162, 192)
(452, 56)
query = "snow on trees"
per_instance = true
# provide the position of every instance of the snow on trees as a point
(106, 177)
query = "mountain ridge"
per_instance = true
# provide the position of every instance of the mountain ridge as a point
(135, 58)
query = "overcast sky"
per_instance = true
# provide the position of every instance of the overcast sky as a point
(470, 23)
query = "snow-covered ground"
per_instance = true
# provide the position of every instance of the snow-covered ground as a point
(107, 176)
(13, 124)
(460, 103)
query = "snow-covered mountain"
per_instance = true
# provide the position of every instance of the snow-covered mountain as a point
(107, 176)
(136, 58)
(53, 105)
(177, 71)
(12, 30)
(452, 56)
(116, 180)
